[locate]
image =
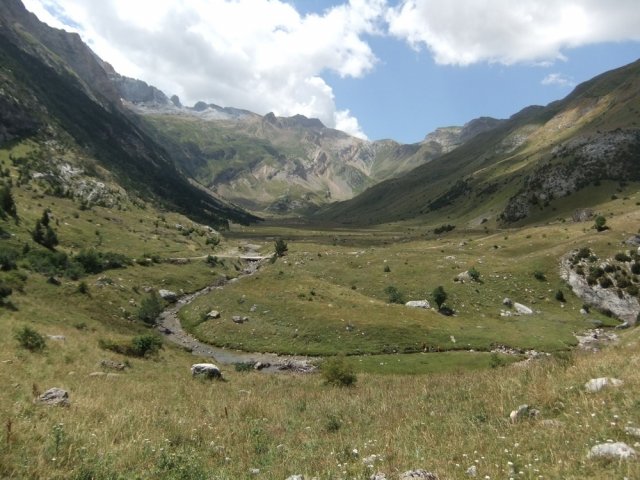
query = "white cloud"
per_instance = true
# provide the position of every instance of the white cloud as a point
(261, 55)
(463, 32)
(558, 79)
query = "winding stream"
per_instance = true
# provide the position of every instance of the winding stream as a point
(168, 323)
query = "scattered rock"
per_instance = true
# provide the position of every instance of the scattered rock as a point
(523, 411)
(418, 474)
(472, 471)
(617, 450)
(418, 304)
(207, 370)
(54, 396)
(507, 302)
(168, 295)
(213, 314)
(53, 281)
(59, 338)
(238, 319)
(633, 240)
(462, 277)
(253, 308)
(295, 477)
(592, 340)
(633, 431)
(597, 384)
(261, 365)
(549, 422)
(522, 309)
(297, 366)
(369, 460)
(378, 476)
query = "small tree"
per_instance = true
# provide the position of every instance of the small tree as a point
(336, 371)
(281, 247)
(439, 296)
(600, 223)
(43, 233)
(30, 339)
(395, 295)
(150, 308)
(474, 274)
(7, 203)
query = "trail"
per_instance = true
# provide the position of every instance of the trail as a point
(169, 324)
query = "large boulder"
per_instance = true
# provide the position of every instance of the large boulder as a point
(522, 309)
(617, 450)
(168, 295)
(207, 370)
(54, 396)
(418, 304)
(597, 384)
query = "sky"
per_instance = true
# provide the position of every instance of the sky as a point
(376, 69)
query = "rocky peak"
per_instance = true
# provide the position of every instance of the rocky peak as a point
(449, 138)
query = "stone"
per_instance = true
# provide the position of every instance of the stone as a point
(59, 338)
(597, 384)
(207, 370)
(463, 277)
(54, 396)
(295, 477)
(168, 295)
(261, 365)
(472, 471)
(617, 450)
(418, 474)
(112, 365)
(369, 460)
(254, 471)
(507, 302)
(418, 304)
(551, 423)
(238, 319)
(522, 309)
(633, 431)
(378, 476)
(213, 314)
(522, 412)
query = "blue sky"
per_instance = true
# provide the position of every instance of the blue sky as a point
(373, 68)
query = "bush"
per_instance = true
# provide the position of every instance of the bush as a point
(8, 260)
(150, 308)
(560, 296)
(387, 269)
(140, 346)
(584, 252)
(395, 295)
(443, 229)
(605, 282)
(280, 247)
(635, 268)
(439, 296)
(30, 339)
(622, 257)
(539, 275)
(43, 233)
(83, 288)
(5, 290)
(600, 223)
(336, 371)
(474, 274)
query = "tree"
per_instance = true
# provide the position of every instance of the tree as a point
(600, 223)
(7, 203)
(281, 247)
(439, 296)
(150, 308)
(43, 233)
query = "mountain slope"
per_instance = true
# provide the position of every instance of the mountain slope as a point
(58, 93)
(515, 171)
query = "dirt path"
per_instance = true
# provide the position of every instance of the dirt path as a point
(169, 325)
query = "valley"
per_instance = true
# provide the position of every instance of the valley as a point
(374, 308)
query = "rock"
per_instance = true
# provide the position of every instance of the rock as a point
(552, 423)
(369, 460)
(261, 365)
(523, 411)
(522, 309)
(378, 476)
(253, 308)
(295, 477)
(618, 450)
(597, 384)
(418, 304)
(59, 338)
(97, 374)
(54, 396)
(254, 471)
(592, 340)
(53, 281)
(472, 471)
(168, 295)
(633, 240)
(583, 312)
(207, 370)
(633, 431)
(507, 302)
(418, 474)
(463, 277)
(213, 314)
(238, 319)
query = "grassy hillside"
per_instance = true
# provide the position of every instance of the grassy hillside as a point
(521, 166)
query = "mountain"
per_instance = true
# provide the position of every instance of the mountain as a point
(273, 164)
(55, 92)
(524, 168)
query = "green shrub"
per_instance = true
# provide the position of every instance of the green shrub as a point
(622, 257)
(387, 269)
(30, 339)
(560, 296)
(139, 346)
(539, 275)
(395, 295)
(439, 296)
(150, 308)
(336, 371)
(443, 229)
(474, 274)
(83, 288)
(280, 247)
(43, 233)
(8, 260)
(600, 223)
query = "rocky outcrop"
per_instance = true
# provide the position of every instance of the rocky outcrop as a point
(623, 306)
(137, 91)
(596, 384)
(55, 397)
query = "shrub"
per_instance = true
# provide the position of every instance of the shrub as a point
(150, 308)
(474, 274)
(280, 247)
(8, 260)
(30, 339)
(605, 282)
(539, 275)
(560, 296)
(43, 233)
(600, 223)
(212, 260)
(635, 268)
(632, 290)
(7, 203)
(443, 229)
(5, 290)
(584, 252)
(139, 346)
(439, 296)
(83, 288)
(336, 371)
(387, 269)
(395, 295)
(622, 257)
